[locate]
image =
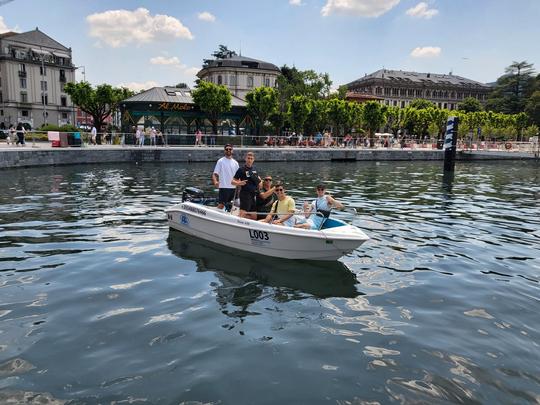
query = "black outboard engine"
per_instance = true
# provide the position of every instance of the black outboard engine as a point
(196, 195)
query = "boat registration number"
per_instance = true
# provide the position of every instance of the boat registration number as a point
(258, 235)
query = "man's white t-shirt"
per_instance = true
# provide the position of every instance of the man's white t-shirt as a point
(225, 169)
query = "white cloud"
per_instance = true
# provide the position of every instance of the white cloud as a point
(363, 8)
(4, 27)
(422, 10)
(426, 52)
(138, 86)
(295, 2)
(206, 16)
(161, 60)
(192, 71)
(118, 28)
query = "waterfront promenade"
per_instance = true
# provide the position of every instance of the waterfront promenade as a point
(42, 154)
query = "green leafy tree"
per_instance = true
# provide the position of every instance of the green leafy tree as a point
(395, 117)
(470, 104)
(298, 111)
(99, 102)
(421, 103)
(439, 117)
(512, 89)
(261, 102)
(212, 99)
(294, 82)
(521, 121)
(277, 120)
(338, 114)
(533, 107)
(318, 117)
(373, 117)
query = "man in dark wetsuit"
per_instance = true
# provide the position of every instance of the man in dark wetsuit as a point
(247, 178)
(265, 198)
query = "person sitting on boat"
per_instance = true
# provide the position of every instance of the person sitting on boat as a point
(222, 176)
(282, 212)
(248, 180)
(322, 205)
(265, 198)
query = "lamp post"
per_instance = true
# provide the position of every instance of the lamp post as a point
(84, 80)
(43, 88)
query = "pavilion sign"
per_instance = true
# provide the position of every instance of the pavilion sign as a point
(175, 107)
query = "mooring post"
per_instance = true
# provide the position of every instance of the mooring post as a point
(450, 144)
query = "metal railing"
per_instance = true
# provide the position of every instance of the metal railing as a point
(86, 139)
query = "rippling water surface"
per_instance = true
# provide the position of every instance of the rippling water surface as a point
(101, 303)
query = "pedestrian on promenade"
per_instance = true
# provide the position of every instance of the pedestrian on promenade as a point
(20, 134)
(198, 138)
(93, 135)
(222, 176)
(153, 134)
(141, 137)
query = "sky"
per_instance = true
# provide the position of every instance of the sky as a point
(141, 44)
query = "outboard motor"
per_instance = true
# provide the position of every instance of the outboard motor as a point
(196, 195)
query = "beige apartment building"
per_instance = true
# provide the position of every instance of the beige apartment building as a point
(399, 88)
(239, 74)
(33, 71)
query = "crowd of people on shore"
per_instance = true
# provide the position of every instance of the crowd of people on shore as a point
(264, 200)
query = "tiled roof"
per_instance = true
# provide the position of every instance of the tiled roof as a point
(172, 95)
(400, 76)
(35, 38)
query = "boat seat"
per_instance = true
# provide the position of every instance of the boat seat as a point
(331, 223)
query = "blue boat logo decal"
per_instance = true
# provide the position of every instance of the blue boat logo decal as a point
(184, 220)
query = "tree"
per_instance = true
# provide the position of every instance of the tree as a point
(374, 116)
(439, 117)
(298, 111)
(223, 52)
(421, 103)
(338, 113)
(512, 89)
(294, 82)
(99, 102)
(521, 121)
(533, 107)
(318, 117)
(212, 99)
(261, 103)
(395, 117)
(470, 104)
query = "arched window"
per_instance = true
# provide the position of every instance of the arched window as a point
(250, 81)
(219, 80)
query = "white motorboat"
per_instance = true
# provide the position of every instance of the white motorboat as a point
(335, 239)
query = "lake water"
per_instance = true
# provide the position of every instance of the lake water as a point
(101, 303)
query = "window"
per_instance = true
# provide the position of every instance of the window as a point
(1, 112)
(42, 70)
(64, 116)
(387, 91)
(24, 98)
(62, 75)
(22, 81)
(250, 81)
(219, 80)
(22, 67)
(267, 82)
(63, 101)
(1, 97)
(43, 85)
(233, 80)
(24, 113)
(45, 99)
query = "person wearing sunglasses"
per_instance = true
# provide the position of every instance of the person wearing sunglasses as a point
(282, 212)
(265, 198)
(248, 180)
(322, 205)
(222, 177)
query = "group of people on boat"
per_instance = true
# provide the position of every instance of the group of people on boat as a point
(263, 200)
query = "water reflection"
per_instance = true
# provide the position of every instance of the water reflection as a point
(245, 279)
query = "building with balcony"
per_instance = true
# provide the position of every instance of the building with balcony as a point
(33, 71)
(239, 74)
(399, 88)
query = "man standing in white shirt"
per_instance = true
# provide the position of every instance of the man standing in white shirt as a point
(222, 177)
(93, 135)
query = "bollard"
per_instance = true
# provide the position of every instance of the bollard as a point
(450, 141)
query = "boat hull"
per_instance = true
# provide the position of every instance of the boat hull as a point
(214, 225)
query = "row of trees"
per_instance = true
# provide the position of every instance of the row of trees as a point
(301, 113)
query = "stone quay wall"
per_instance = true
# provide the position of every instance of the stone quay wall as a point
(28, 157)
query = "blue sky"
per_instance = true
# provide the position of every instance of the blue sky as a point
(145, 43)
